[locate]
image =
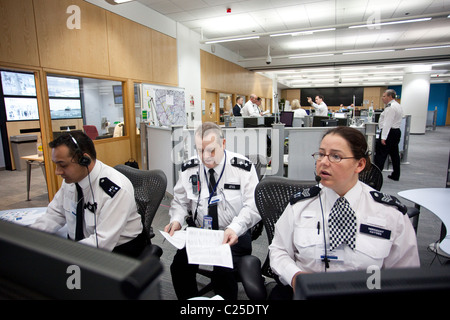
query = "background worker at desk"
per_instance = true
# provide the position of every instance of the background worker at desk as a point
(95, 201)
(320, 107)
(238, 107)
(358, 226)
(220, 184)
(251, 107)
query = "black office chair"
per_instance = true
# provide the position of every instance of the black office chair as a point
(149, 190)
(374, 178)
(272, 196)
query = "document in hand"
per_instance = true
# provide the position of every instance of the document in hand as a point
(205, 247)
(178, 240)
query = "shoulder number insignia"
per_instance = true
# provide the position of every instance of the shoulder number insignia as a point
(109, 187)
(190, 164)
(389, 200)
(305, 193)
(241, 163)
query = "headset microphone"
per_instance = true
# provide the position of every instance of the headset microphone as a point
(318, 178)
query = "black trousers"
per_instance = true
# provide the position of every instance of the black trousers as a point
(184, 275)
(132, 248)
(391, 149)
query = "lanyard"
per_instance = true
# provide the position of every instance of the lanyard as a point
(217, 183)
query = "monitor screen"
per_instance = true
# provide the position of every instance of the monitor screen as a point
(287, 117)
(65, 108)
(384, 283)
(19, 109)
(63, 87)
(39, 265)
(18, 84)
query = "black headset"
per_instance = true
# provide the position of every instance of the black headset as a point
(83, 160)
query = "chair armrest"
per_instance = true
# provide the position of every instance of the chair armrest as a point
(249, 270)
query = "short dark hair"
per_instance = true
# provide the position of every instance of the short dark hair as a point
(83, 144)
(356, 141)
(391, 93)
(320, 96)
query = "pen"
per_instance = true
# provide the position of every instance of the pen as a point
(318, 227)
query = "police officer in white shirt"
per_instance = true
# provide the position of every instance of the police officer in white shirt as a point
(100, 196)
(378, 231)
(320, 107)
(387, 144)
(195, 197)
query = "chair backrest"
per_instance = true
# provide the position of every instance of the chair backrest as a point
(372, 177)
(272, 195)
(149, 190)
(91, 131)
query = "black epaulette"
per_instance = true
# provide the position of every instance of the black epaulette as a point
(304, 194)
(190, 164)
(109, 187)
(389, 200)
(241, 163)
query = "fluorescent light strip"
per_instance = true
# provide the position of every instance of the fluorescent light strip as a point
(311, 56)
(364, 52)
(424, 48)
(231, 39)
(298, 33)
(388, 23)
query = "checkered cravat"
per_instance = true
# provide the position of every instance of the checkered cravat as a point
(342, 224)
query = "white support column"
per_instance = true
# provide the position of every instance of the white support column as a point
(414, 97)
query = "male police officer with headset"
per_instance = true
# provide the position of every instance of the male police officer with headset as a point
(101, 197)
(228, 195)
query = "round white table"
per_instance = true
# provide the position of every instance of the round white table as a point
(437, 200)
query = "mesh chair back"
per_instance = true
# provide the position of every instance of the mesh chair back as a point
(149, 190)
(372, 177)
(272, 196)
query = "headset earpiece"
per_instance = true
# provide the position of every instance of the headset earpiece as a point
(84, 161)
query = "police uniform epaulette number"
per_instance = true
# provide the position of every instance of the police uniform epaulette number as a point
(389, 200)
(304, 194)
(190, 164)
(241, 163)
(109, 187)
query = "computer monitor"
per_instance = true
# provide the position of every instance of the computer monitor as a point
(268, 121)
(39, 265)
(392, 283)
(287, 117)
(317, 120)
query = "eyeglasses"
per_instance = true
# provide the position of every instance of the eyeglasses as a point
(332, 157)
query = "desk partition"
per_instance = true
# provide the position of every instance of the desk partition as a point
(166, 148)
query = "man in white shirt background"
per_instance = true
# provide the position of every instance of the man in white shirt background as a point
(387, 144)
(250, 108)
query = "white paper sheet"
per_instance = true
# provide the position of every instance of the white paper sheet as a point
(178, 240)
(205, 247)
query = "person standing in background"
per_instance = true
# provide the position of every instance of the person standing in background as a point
(387, 144)
(320, 107)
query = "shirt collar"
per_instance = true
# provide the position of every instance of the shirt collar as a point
(92, 176)
(352, 196)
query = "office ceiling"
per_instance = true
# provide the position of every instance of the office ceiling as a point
(353, 43)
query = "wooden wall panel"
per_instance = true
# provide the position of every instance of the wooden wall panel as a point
(130, 48)
(220, 75)
(81, 50)
(18, 42)
(113, 151)
(165, 59)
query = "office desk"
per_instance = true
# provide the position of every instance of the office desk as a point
(27, 216)
(33, 159)
(437, 200)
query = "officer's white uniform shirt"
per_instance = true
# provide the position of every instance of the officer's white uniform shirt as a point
(117, 220)
(391, 117)
(298, 242)
(321, 109)
(235, 190)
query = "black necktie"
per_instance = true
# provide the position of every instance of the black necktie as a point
(79, 234)
(212, 208)
(342, 224)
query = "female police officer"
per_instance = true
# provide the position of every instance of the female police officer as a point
(359, 226)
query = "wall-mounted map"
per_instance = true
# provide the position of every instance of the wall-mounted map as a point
(163, 106)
